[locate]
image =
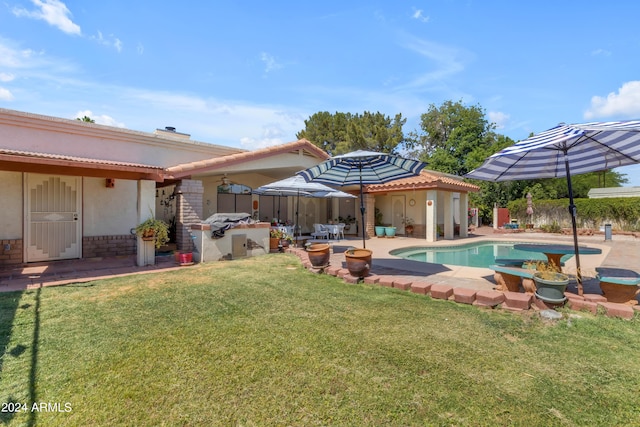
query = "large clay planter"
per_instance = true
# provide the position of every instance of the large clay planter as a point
(550, 287)
(621, 294)
(319, 254)
(358, 262)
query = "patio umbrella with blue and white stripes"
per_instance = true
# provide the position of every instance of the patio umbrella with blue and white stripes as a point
(562, 151)
(362, 168)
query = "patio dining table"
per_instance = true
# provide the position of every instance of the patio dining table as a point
(555, 252)
(333, 230)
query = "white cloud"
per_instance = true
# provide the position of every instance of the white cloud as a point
(5, 94)
(6, 77)
(272, 134)
(269, 62)
(140, 48)
(625, 103)
(111, 41)
(601, 52)
(499, 118)
(99, 119)
(54, 12)
(228, 122)
(418, 14)
(12, 57)
(446, 60)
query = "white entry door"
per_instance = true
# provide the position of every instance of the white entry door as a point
(397, 212)
(52, 223)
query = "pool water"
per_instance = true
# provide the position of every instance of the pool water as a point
(481, 254)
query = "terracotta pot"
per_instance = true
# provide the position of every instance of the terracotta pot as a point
(319, 254)
(358, 262)
(274, 243)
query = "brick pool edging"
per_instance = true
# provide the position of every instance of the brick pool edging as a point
(511, 301)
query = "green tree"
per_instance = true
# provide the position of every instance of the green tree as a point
(341, 133)
(454, 138)
(85, 119)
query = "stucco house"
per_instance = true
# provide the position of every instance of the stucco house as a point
(73, 189)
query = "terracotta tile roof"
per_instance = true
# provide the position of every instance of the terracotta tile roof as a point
(29, 161)
(186, 169)
(427, 180)
(35, 155)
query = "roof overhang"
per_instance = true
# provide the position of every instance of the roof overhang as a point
(298, 154)
(427, 180)
(66, 165)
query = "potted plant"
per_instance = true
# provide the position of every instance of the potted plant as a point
(358, 261)
(319, 254)
(378, 223)
(286, 240)
(275, 236)
(408, 225)
(551, 283)
(390, 231)
(154, 229)
(347, 221)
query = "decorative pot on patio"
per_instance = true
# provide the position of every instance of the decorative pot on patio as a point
(380, 230)
(408, 230)
(390, 231)
(550, 286)
(274, 242)
(358, 262)
(319, 254)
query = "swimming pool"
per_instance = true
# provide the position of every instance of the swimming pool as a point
(477, 254)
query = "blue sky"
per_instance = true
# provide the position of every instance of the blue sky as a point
(247, 74)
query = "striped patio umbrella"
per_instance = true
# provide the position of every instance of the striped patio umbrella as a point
(562, 151)
(362, 168)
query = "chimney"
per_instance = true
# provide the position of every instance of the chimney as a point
(170, 131)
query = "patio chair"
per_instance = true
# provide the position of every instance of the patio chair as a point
(341, 230)
(320, 232)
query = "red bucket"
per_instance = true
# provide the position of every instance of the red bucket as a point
(185, 258)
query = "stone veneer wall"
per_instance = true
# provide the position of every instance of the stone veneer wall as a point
(101, 246)
(12, 256)
(189, 210)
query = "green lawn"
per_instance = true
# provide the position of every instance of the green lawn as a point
(262, 341)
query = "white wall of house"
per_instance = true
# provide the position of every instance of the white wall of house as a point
(43, 134)
(109, 211)
(106, 211)
(444, 204)
(11, 214)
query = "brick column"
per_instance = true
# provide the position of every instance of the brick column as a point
(370, 214)
(189, 211)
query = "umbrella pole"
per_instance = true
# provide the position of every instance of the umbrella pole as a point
(362, 208)
(295, 227)
(572, 211)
